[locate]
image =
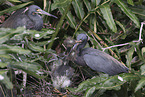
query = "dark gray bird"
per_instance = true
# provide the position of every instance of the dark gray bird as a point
(28, 17)
(61, 73)
(95, 59)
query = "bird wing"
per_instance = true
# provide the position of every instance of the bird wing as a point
(18, 19)
(102, 62)
(14, 20)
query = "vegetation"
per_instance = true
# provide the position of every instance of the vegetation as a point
(106, 22)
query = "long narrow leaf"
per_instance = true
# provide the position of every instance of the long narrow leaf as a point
(78, 6)
(121, 26)
(130, 2)
(142, 69)
(2, 65)
(14, 8)
(5, 49)
(88, 5)
(140, 84)
(6, 81)
(60, 3)
(127, 11)
(6, 33)
(69, 18)
(30, 68)
(106, 11)
(90, 91)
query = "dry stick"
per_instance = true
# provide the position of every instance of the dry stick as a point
(2, 91)
(24, 76)
(139, 40)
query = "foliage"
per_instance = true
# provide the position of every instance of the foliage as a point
(20, 49)
(106, 22)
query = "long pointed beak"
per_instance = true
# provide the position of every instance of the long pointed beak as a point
(77, 43)
(75, 46)
(46, 13)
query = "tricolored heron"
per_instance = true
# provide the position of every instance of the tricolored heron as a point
(28, 17)
(95, 59)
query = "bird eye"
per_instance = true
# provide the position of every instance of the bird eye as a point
(33, 13)
(37, 10)
(81, 40)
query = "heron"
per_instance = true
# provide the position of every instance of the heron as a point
(29, 17)
(95, 59)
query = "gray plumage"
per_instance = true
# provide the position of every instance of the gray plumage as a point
(28, 17)
(96, 59)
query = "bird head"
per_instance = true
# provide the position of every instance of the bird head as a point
(81, 40)
(34, 9)
(80, 43)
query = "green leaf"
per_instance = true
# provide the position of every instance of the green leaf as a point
(33, 47)
(95, 2)
(104, 82)
(7, 33)
(106, 11)
(142, 68)
(90, 91)
(93, 22)
(30, 68)
(60, 3)
(70, 18)
(129, 56)
(42, 43)
(27, 66)
(6, 49)
(14, 1)
(130, 2)
(39, 35)
(127, 11)
(139, 11)
(2, 65)
(143, 51)
(128, 76)
(121, 26)
(114, 82)
(88, 5)
(78, 7)
(13, 8)
(90, 83)
(140, 84)
(6, 81)
(3, 71)
(5, 56)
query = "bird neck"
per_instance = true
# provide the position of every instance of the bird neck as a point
(37, 20)
(81, 46)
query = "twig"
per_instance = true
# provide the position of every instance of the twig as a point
(2, 91)
(139, 40)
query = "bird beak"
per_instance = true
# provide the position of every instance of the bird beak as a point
(75, 46)
(77, 43)
(80, 41)
(45, 13)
